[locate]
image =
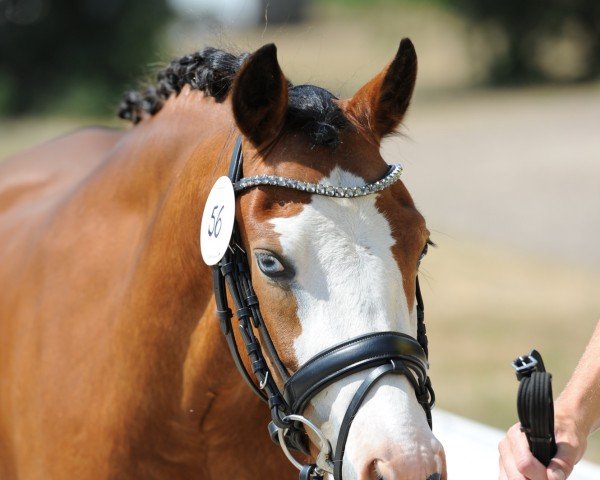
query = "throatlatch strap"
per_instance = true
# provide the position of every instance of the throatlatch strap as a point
(535, 406)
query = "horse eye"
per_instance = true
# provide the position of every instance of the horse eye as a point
(270, 265)
(425, 250)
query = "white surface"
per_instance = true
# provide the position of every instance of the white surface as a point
(217, 221)
(472, 449)
(232, 13)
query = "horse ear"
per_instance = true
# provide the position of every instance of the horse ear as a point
(259, 98)
(379, 106)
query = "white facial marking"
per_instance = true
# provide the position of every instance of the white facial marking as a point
(348, 284)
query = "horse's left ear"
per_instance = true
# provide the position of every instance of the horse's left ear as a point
(379, 106)
(259, 98)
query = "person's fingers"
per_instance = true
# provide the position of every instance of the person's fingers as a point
(501, 472)
(570, 449)
(563, 462)
(507, 462)
(525, 462)
(556, 473)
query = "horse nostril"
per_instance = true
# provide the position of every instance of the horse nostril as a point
(379, 468)
(374, 473)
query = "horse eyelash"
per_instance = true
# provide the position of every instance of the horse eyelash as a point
(428, 243)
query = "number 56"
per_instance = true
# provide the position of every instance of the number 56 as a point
(215, 227)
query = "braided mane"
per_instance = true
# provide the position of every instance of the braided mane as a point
(210, 70)
(311, 109)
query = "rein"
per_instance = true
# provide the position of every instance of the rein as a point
(383, 352)
(535, 405)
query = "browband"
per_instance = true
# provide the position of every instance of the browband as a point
(391, 177)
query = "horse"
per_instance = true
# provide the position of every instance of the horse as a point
(113, 362)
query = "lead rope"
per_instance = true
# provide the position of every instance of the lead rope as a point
(535, 405)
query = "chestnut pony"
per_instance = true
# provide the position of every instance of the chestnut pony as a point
(112, 362)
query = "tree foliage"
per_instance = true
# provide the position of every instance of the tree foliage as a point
(74, 55)
(526, 25)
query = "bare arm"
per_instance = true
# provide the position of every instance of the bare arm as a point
(581, 396)
(576, 416)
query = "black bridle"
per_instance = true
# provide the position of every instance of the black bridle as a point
(383, 352)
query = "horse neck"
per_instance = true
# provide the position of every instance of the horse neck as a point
(168, 337)
(162, 172)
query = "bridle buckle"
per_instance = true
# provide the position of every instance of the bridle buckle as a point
(525, 365)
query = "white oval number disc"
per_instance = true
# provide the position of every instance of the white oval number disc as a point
(217, 221)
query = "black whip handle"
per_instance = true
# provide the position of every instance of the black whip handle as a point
(535, 405)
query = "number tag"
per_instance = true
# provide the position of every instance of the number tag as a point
(217, 221)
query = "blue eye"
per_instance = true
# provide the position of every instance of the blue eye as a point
(271, 265)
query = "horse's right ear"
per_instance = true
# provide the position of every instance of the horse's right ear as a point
(259, 98)
(380, 105)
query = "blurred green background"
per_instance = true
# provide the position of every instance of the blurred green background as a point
(75, 56)
(501, 146)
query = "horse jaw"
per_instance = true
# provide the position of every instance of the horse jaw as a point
(348, 283)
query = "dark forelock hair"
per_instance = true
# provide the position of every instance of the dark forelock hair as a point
(311, 109)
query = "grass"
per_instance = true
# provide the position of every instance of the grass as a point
(486, 305)
(19, 133)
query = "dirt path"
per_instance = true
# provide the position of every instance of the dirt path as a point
(515, 168)
(510, 185)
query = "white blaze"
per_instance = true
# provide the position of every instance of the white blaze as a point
(348, 284)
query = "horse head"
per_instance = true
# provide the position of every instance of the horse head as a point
(330, 269)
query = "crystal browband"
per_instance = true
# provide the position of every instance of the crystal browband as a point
(391, 177)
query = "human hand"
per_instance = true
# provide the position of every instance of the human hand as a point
(518, 463)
